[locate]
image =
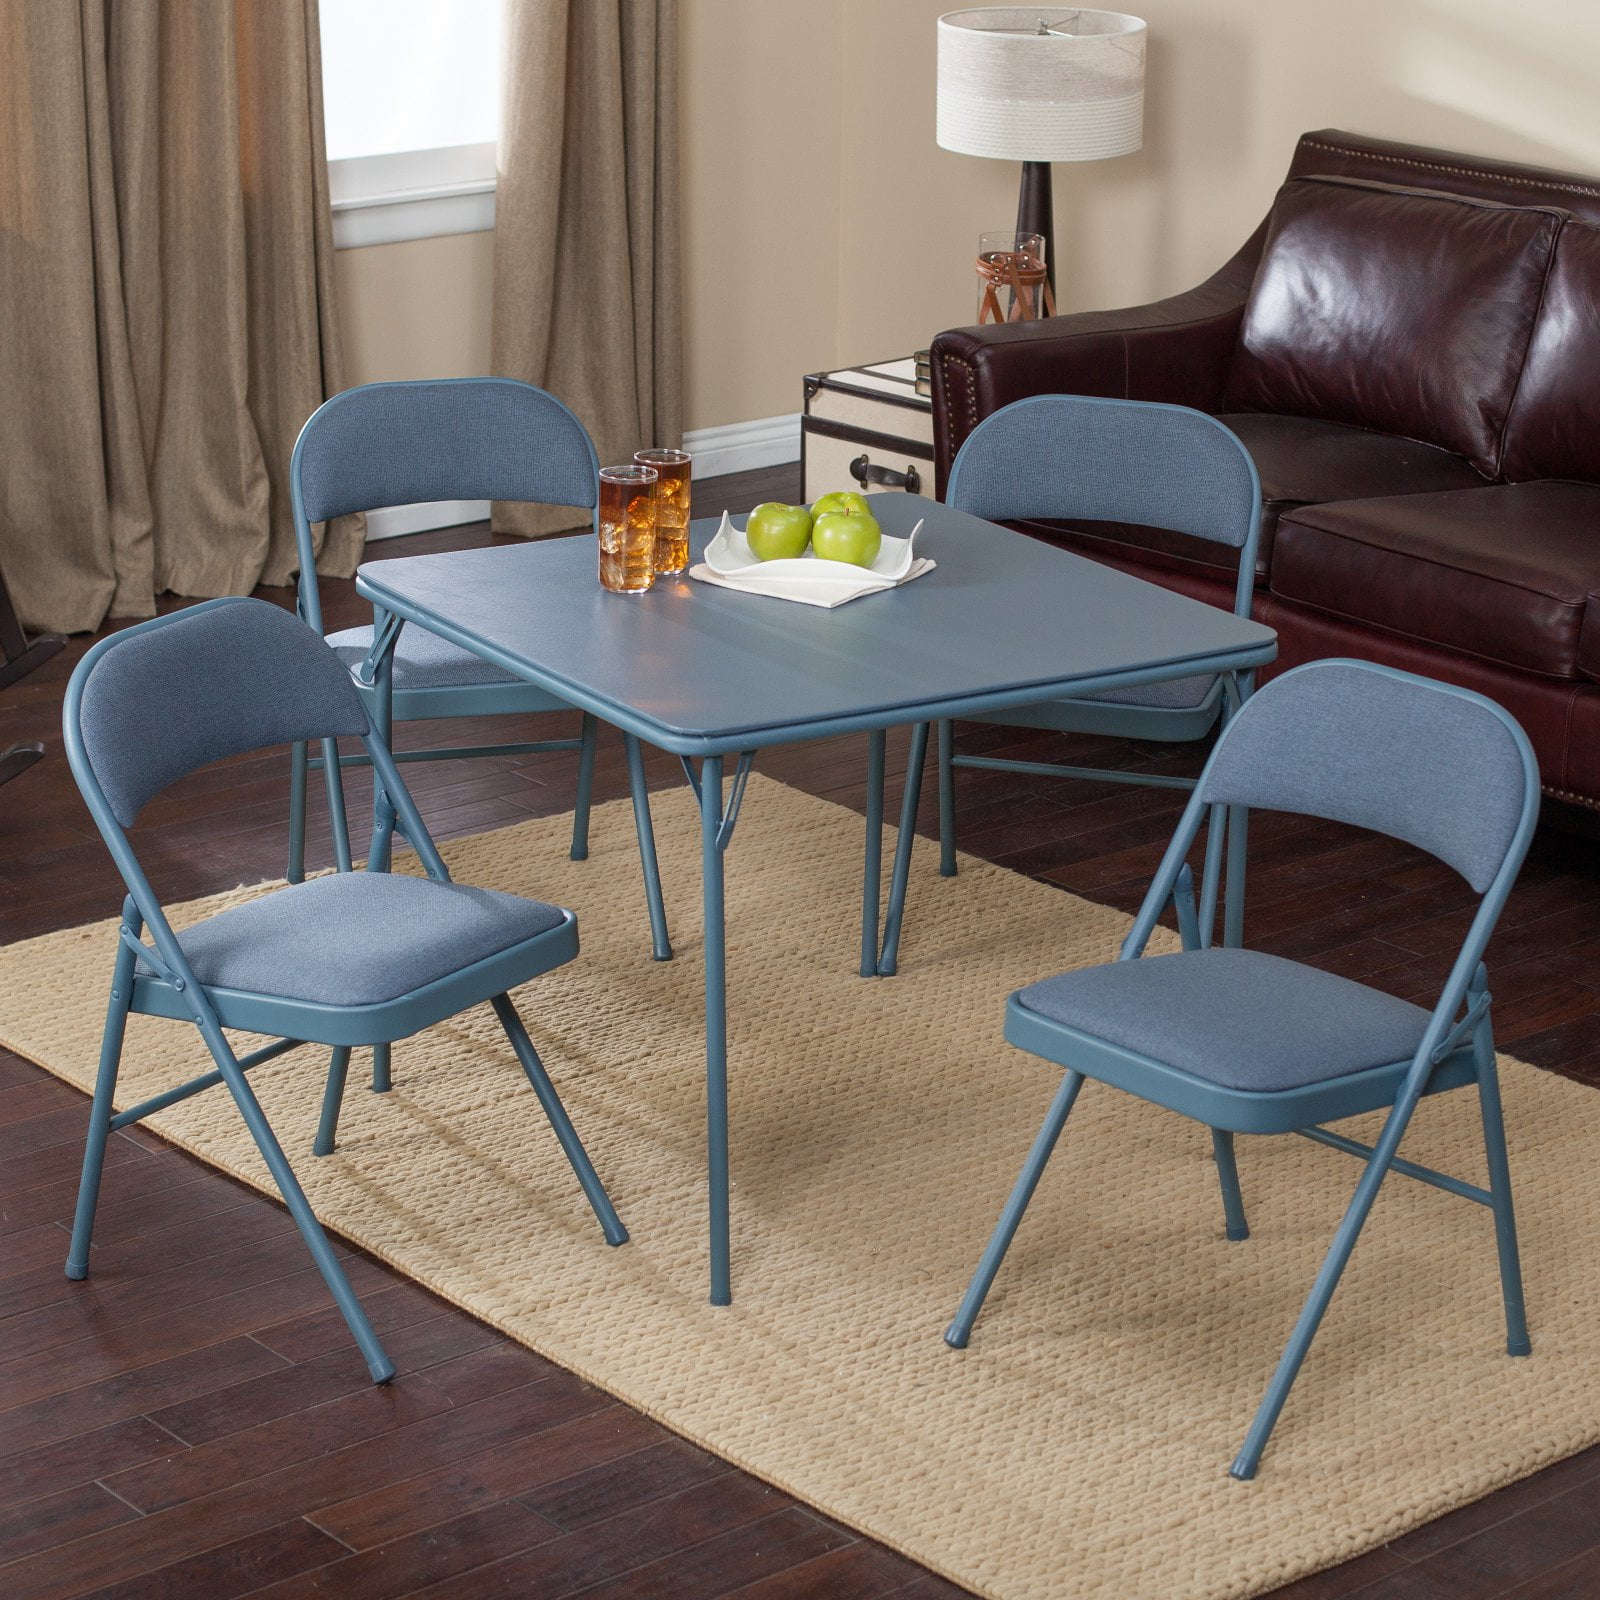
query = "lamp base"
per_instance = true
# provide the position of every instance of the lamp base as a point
(1034, 212)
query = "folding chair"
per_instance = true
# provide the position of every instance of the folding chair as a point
(347, 959)
(1246, 1042)
(1079, 458)
(386, 444)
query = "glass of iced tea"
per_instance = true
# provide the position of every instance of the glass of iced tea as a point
(672, 507)
(627, 528)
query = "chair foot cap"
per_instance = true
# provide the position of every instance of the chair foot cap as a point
(77, 1270)
(617, 1236)
(1518, 1347)
(661, 955)
(1236, 1234)
(578, 855)
(956, 1337)
(1243, 1471)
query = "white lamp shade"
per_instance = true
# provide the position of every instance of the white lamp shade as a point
(1041, 83)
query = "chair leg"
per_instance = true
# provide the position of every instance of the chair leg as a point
(580, 811)
(332, 1099)
(1505, 1223)
(378, 1363)
(644, 828)
(105, 1088)
(610, 1222)
(947, 798)
(338, 824)
(960, 1330)
(1327, 1280)
(1228, 1176)
(297, 814)
(382, 1069)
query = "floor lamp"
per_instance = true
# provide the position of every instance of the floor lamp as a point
(1038, 84)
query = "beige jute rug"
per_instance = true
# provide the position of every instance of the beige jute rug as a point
(1079, 1447)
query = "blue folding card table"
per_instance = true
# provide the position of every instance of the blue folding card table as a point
(707, 673)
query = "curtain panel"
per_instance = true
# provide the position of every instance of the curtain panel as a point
(587, 302)
(166, 283)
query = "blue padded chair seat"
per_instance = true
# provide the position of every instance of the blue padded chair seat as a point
(358, 938)
(1238, 1018)
(1172, 694)
(422, 660)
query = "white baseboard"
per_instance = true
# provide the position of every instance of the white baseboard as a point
(393, 521)
(744, 446)
(735, 447)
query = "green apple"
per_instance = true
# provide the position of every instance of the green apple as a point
(847, 536)
(777, 532)
(841, 500)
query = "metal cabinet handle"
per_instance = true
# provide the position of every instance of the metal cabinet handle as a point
(865, 472)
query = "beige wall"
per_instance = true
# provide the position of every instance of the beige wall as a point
(823, 226)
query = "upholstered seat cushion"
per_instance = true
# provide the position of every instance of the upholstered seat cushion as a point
(358, 938)
(1502, 572)
(1301, 461)
(1239, 1018)
(422, 660)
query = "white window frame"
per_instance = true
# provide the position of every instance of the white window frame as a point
(412, 194)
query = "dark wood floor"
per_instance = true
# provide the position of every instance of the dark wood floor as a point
(193, 1420)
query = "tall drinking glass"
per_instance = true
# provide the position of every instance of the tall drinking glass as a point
(672, 507)
(627, 528)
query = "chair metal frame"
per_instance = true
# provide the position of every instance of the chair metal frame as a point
(156, 979)
(1456, 1049)
(1157, 723)
(387, 705)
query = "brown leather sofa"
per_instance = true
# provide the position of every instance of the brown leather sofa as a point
(1409, 346)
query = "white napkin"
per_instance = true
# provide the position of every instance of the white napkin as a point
(731, 564)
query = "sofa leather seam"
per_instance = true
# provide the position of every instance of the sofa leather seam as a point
(1444, 166)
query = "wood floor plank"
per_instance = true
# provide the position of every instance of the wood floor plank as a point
(240, 1567)
(574, 1428)
(82, 1458)
(576, 1562)
(59, 1518)
(443, 1551)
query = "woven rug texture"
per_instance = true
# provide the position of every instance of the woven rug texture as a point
(1079, 1447)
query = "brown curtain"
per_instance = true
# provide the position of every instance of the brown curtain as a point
(166, 285)
(586, 251)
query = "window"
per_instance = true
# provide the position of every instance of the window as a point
(411, 98)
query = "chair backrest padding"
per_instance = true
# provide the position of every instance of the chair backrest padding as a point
(1077, 456)
(1440, 767)
(390, 444)
(169, 696)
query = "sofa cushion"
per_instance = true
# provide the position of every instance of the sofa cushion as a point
(1554, 428)
(1403, 310)
(1301, 461)
(1503, 573)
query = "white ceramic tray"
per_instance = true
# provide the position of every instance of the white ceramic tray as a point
(730, 563)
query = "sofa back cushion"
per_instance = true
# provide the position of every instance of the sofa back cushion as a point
(1403, 310)
(1554, 430)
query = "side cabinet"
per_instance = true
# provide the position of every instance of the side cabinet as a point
(867, 428)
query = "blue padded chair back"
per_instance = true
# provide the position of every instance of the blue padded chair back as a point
(390, 444)
(1068, 456)
(1440, 767)
(152, 703)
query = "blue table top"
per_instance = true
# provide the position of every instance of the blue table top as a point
(698, 670)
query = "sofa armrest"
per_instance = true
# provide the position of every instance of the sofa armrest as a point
(1177, 350)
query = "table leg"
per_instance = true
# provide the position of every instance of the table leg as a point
(711, 845)
(872, 864)
(1238, 842)
(898, 879)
